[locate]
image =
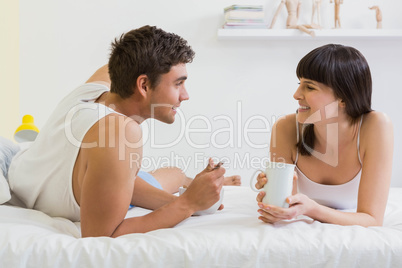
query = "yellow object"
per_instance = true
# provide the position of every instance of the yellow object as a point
(27, 131)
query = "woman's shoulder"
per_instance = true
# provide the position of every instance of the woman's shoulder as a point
(376, 119)
(284, 138)
(376, 126)
(286, 127)
(286, 124)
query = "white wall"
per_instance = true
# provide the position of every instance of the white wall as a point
(9, 68)
(64, 42)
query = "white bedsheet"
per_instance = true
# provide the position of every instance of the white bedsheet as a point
(233, 237)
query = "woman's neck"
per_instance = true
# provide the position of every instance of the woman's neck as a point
(335, 133)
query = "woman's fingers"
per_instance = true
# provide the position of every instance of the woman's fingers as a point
(268, 217)
(278, 213)
(261, 180)
(260, 196)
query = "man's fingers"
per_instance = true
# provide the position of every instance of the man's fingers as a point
(210, 165)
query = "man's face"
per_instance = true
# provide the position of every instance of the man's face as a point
(167, 96)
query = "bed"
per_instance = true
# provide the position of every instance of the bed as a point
(233, 237)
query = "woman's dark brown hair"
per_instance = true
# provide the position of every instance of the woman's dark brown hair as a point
(347, 72)
(147, 50)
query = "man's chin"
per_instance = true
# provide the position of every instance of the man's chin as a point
(167, 120)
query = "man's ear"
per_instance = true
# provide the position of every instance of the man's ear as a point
(143, 84)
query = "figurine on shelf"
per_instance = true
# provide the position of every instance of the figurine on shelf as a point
(316, 10)
(293, 8)
(337, 12)
(378, 15)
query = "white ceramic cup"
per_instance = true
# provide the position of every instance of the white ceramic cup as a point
(279, 185)
(210, 210)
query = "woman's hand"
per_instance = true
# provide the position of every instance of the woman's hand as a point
(261, 180)
(299, 204)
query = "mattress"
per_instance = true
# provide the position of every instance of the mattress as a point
(233, 237)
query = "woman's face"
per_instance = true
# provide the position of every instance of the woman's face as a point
(317, 102)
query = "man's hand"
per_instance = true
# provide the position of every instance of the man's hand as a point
(204, 191)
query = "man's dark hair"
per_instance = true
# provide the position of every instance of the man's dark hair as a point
(147, 50)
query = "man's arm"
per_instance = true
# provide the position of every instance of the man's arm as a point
(101, 76)
(202, 193)
(147, 196)
(109, 181)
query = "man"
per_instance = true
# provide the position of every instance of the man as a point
(83, 165)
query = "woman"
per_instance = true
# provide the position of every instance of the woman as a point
(342, 149)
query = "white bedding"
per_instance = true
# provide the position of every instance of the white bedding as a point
(233, 237)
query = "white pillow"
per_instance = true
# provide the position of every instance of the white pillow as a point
(4, 190)
(7, 151)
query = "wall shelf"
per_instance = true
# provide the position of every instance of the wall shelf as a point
(325, 34)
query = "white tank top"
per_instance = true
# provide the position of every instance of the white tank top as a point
(341, 196)
(41, 175)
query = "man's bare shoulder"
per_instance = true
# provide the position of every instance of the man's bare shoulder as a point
(114, 128)
(115, 137)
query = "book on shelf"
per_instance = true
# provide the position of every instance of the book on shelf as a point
(240, 25)
(244, 17)
(243, 7)
(245, 26)
(252, 15)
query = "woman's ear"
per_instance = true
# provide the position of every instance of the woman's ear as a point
(342, 104)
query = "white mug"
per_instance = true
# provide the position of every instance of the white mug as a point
(210, 210)
(279, 185)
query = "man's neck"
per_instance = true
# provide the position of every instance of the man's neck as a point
(131, 106)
